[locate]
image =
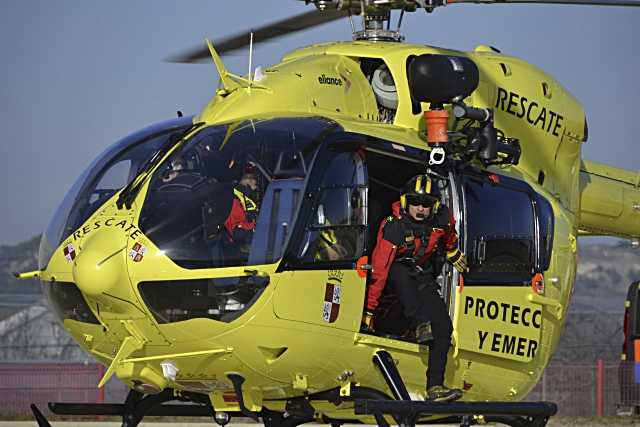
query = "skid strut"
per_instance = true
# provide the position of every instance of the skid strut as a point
(237, 381)
(387, 367)
(40, 419)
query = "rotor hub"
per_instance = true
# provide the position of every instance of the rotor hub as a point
(378, 36)
(374, 28)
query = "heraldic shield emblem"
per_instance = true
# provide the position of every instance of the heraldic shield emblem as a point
(137, 252)
(331, 306)
(69, 252)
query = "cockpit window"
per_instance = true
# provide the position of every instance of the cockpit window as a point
(335, 228)
(107, 174)
(228, 196)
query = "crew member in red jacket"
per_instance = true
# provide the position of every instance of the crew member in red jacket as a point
(241, 221)
(405, 260)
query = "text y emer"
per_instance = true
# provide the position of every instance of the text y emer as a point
(505, 312)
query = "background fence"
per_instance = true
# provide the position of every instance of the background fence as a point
(22, 384)
(579, 389)
(589, 389)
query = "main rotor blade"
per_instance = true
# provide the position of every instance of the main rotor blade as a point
(575, 2)
(280, 28)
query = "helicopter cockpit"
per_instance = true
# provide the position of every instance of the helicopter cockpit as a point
(187, 212)
(112, 170)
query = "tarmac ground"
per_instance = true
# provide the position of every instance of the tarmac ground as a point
(553, 422)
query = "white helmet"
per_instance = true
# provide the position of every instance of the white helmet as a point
(385, 88)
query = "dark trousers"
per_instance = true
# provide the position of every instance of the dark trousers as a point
(422, 303)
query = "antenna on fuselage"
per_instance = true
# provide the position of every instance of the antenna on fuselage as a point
(250, 59)
(230, 81)
(353, 26)
(399, 21)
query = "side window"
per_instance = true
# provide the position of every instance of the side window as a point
(337, 225)
(500, 233)
(545, 220)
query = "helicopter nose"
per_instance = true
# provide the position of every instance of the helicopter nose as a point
(101, 264)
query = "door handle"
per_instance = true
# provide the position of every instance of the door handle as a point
(554, 306)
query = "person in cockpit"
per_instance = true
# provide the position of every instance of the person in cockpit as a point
(247, 192)
(241, 222)
(177, 165)
(333, 245)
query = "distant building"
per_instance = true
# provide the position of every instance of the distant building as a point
(34, 334)
(40, 362)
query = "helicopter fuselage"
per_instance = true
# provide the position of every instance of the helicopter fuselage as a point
(149, 287)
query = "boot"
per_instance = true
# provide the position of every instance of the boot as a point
(423, 333)
(441, 393)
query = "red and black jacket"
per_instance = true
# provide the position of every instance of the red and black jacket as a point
(400, 237)
(242, 218)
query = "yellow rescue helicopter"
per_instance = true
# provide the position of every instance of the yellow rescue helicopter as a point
(136, 265)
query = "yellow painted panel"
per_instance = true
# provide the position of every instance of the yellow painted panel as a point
(324, 297)
(600, 195)
(609, 201)
(498, 321)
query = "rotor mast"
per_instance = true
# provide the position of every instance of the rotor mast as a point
(374, 30)
(376, 16)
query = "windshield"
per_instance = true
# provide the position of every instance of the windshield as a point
(228, 196)
(106, 175)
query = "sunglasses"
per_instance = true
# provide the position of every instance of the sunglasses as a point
(424, 201)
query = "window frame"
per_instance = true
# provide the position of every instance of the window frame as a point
(541, 255)
(342, 142)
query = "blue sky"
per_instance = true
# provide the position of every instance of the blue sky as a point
(78, 75)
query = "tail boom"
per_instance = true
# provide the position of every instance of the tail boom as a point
(609, 201)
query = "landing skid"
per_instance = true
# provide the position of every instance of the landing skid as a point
(514, 414)
(299, 410)
(405, 412)
(135, 408)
